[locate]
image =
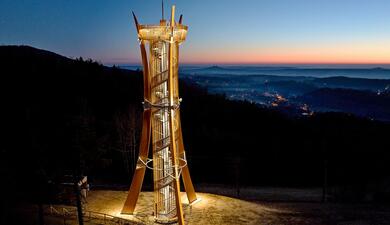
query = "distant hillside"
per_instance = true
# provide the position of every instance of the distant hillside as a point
(352, 83)
(368, 73)
(362, 103)
(13, 54)
(295, 84)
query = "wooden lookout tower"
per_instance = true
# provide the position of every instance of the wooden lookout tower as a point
(161, 122)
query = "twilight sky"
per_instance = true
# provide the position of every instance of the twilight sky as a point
(220, 31)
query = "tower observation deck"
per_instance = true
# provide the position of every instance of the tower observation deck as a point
(161, 122)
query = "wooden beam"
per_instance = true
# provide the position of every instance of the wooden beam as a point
(179, 207)
(138, 177)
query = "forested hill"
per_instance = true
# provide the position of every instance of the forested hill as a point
(62, 115)
(58, 110)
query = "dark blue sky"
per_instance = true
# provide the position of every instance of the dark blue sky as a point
(250, 31)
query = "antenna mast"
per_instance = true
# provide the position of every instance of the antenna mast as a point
(162, 9)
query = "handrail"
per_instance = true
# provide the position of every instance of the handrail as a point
(159, 78)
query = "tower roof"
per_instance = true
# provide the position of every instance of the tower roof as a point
(162, 32)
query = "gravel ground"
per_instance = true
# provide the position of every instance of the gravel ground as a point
(217, 209)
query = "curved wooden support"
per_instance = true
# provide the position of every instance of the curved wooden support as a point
(181, 19)
(147, 94)
(188, 186)
(138, 177)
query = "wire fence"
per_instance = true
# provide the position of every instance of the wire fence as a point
(69, 214)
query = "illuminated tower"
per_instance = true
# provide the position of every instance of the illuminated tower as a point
(161, 122)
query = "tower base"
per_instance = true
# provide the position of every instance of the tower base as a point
(166, 221)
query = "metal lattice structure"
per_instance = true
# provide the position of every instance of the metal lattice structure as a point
(161, 122)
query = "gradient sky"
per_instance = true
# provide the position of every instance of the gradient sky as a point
(220, 31)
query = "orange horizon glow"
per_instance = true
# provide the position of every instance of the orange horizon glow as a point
(353, 52)
(283, 62)
(294, 61)
(346, 53)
